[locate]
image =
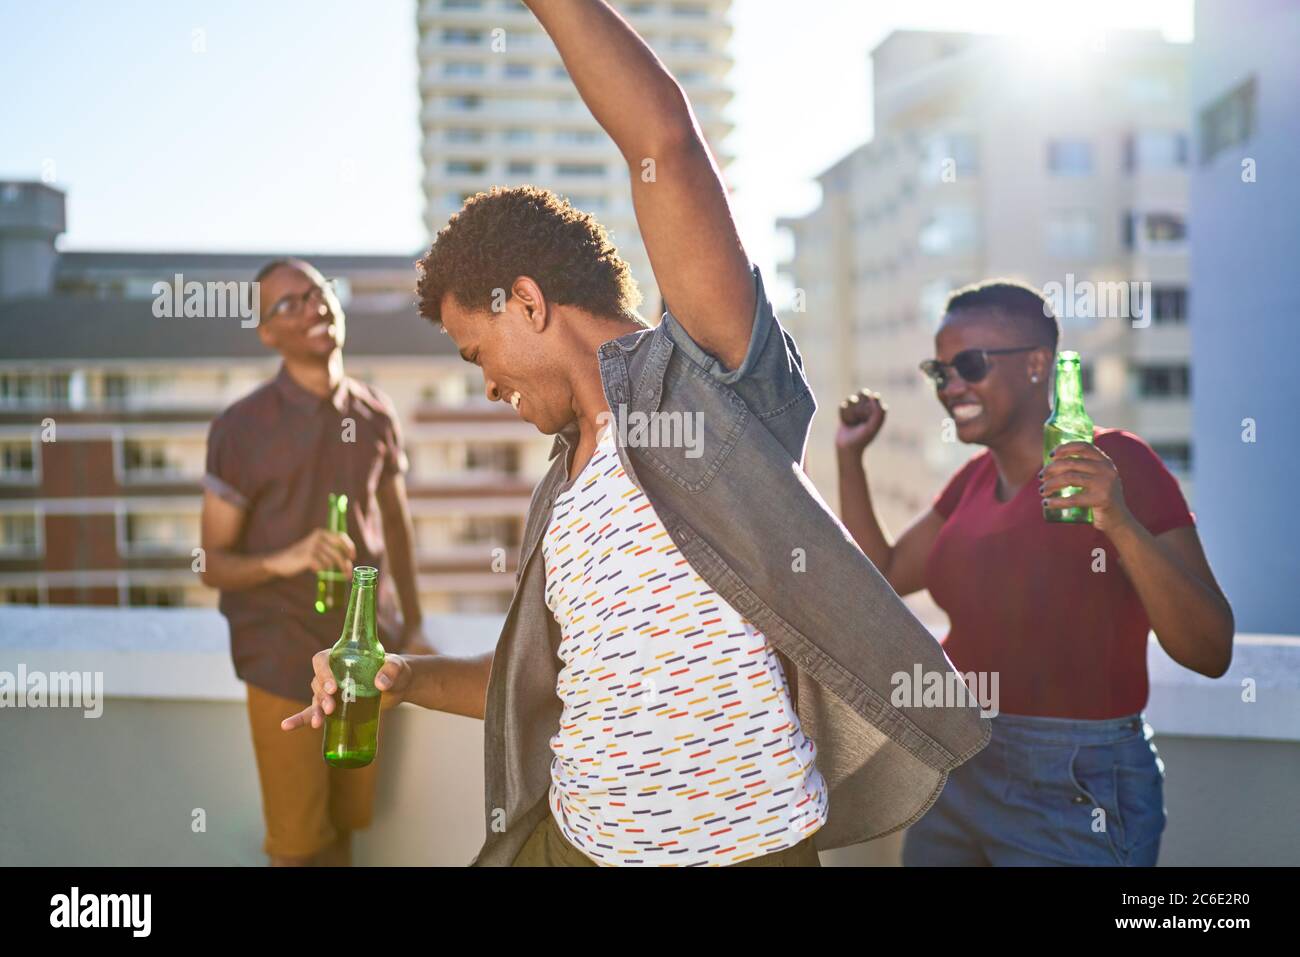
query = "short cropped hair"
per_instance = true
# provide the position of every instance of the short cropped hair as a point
(508, 232)
(1021, 303)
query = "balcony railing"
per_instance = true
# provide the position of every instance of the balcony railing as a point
(172, 736)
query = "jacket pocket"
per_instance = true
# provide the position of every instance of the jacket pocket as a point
(689, 433)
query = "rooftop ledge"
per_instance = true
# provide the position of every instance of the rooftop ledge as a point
(183, 654)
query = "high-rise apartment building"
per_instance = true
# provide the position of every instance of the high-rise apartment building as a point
(990, 158)
(498, 108)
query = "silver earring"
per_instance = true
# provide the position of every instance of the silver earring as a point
(1033, 378)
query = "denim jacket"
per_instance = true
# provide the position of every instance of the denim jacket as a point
(739, 508)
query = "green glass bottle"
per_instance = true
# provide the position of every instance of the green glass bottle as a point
(330, 582)
(1067, 423)
(352, 731)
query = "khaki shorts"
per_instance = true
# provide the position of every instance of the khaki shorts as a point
(306, 803)
(548, 847)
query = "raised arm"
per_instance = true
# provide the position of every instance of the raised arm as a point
(902, 562)
(677, 190)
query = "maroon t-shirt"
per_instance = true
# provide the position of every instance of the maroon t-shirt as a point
(1023, 598)
(277, 453)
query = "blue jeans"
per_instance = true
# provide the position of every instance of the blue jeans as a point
(1049, 791)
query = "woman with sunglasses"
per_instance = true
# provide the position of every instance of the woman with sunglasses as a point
(1059, 612)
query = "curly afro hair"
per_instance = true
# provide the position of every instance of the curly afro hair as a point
(505, 233)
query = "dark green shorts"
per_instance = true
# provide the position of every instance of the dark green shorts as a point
(548, 847)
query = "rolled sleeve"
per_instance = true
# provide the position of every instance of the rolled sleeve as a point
(764, 321)
(223, 490)
(772, 366)
(222, 476)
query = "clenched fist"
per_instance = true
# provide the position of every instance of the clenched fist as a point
(861, 416)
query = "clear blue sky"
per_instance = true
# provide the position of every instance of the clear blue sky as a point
(296, 128)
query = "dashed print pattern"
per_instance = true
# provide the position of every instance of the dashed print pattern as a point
(677, 744)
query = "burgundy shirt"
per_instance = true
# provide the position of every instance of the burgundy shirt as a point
(1023, 598)
(277, 453)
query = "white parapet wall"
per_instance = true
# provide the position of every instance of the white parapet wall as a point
(165, 775)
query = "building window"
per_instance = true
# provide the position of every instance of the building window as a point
(160, 534)
(149, 457)
(1177, 456)
(1072, 233)
(579, 169)
(461, 38)
(957, 152)
(466, 103)
(18, 534)
(500, 459)
(159, 460)
(688, 44)
(463, 68)
(519, 135)
(521, 168)
(20, 595)
(458, 134)
(1163, 381)
(951, 230)
(1151, 150)
(1069, 157)
(1154, 230)
(519, 71)
(577, 136)
(17, 461)
(465, 167)
(1164, 229)
(153, 596)
(1229, 121)
(138, 390)
(1168, 305)
(490, 530)
(446, 536)
(21, 389)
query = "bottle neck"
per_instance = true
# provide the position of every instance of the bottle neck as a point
(359, 626)
(1069, 390)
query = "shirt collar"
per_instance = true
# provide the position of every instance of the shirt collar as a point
(568, 436)
(308, 401)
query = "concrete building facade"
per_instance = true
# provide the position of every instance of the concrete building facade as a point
(1245, 202)
(104, 411)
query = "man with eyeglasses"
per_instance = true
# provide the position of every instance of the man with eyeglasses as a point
(273, 458)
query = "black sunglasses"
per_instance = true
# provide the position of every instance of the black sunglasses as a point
(971, 364)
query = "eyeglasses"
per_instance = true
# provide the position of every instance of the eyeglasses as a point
(292, 304)
(971, 364)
